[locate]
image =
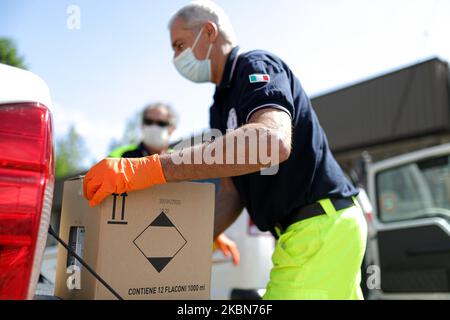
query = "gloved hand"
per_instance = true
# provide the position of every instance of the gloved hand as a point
(228, 247)
(117, 176)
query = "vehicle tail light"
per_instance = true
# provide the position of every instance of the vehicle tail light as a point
(26, 191)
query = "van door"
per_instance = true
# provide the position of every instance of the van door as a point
(411, 198)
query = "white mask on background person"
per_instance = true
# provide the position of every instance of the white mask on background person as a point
(155, 137)
(190, 67)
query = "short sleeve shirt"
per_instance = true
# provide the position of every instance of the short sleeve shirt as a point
(259, 80)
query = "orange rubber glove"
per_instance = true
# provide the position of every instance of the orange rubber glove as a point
(117, 176)
(228, 247)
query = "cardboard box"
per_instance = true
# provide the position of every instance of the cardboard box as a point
(149, 244)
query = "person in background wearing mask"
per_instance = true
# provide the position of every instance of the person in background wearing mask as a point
(158, 123)
(308, 203)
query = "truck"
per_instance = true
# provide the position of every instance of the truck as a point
(395, 148)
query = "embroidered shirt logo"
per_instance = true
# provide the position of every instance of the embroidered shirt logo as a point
(232, 122)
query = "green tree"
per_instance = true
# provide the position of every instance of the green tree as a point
(71, 151)
(9, 54)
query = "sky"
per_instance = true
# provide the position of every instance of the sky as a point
(120, 58)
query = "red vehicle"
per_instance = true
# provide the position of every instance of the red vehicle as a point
(26, 179)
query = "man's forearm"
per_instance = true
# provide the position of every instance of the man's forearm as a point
(240, 162)
(174, 172)
(228, 206)
(227, 210)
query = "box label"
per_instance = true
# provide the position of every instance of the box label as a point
(76, 243)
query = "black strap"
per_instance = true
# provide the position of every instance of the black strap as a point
(313, 210)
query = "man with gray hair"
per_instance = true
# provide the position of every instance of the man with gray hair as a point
(308, 204)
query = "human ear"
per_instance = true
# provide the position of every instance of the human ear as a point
(212, 31)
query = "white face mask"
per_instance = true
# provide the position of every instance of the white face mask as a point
(190, 67)
(155, 137)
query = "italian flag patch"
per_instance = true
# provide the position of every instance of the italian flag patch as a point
(255, 78)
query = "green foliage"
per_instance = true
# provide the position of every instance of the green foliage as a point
(71, 151)
(9, 54)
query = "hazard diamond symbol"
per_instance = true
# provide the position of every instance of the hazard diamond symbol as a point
(160, 242)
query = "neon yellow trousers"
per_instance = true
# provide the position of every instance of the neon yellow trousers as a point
(320, 258)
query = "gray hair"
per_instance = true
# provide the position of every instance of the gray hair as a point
(172, 115)
(199, 12)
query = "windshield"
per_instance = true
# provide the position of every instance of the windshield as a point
(416, 190)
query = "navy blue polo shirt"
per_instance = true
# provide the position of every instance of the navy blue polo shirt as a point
(256, 80)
